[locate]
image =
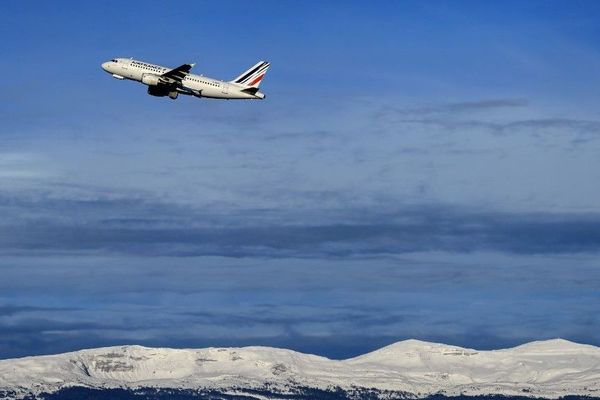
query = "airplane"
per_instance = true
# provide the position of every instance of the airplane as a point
(163, 81)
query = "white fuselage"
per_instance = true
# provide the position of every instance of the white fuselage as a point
(195, 85)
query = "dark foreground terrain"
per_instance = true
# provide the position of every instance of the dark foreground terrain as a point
(82, 393)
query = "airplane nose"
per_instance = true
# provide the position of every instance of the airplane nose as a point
(105, 66)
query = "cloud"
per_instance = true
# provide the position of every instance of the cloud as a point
(304, 237)
(8, 310)
(452, 313)
(454, 108)
(19, 166)
(133, 226)
(327, 304)
(460, 117)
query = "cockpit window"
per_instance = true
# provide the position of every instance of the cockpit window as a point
(114, 60)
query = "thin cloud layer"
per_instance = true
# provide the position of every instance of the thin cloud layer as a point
(129, 226)
(118, 269)
(352, 305)
(454, 108)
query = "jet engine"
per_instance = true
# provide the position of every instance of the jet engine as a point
(150, 79)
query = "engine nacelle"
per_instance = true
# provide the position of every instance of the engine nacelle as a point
(150, 79)
(157, 91)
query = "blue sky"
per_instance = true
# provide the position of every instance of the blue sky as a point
(418, 170)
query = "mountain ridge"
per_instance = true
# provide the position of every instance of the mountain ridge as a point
(545, 369)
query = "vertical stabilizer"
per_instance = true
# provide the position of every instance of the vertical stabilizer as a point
(253, 76)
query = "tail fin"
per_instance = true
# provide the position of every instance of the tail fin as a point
(252, 77)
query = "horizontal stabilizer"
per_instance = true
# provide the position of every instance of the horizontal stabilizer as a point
(251, 90)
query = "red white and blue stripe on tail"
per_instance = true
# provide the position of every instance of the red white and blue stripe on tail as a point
(252, 77)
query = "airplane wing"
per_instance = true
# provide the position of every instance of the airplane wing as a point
(176, 75)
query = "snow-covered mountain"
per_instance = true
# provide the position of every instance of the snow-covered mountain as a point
(411, 368)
